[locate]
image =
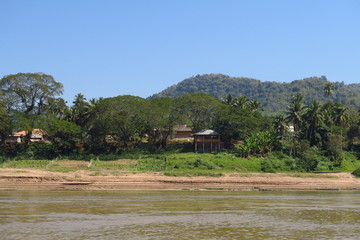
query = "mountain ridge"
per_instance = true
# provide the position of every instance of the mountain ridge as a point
(274, 96)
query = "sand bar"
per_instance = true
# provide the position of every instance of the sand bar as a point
(32, 179)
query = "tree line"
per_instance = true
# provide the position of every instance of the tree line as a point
(313, 135)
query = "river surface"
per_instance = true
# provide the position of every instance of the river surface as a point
(178, 215)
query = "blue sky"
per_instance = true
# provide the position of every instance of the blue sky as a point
(105, 48)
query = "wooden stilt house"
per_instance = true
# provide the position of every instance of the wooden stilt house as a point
(207, 141)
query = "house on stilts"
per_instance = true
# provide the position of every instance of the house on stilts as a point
(207, 141)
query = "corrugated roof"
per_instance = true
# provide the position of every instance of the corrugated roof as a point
(207, 132)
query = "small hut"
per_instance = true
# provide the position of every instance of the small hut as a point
(207, 141)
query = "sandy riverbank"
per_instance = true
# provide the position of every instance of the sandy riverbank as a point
(31, 179)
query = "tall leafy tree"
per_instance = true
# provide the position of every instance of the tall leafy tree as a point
(124, 118)
(198, 108)
(236, 123)
(29, 94)
(165, 116)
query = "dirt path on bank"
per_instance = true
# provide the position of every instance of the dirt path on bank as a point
(31, 179)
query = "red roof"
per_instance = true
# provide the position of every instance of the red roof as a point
(35, 131)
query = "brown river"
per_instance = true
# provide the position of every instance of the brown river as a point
(179, 215)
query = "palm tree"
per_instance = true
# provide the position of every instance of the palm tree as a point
(341, 118)
(314, 116)
(295, 111)
(79, 112)
(328, 112)
(229, 100)
(329, 89)
(58, 107)
(241, 101)
(280, 125)
(255, 105)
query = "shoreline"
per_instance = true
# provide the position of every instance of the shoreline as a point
(33, 179)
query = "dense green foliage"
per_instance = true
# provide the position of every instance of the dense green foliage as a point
(273, 96)
(318, 135)
(357, 172)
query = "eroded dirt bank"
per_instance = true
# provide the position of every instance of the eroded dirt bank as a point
(30, 179)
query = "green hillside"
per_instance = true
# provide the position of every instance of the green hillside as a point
(274, 96)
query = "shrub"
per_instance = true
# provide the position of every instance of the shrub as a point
(306, 156)
(2, 159)
(271, 165)
(290, 164)
(323, 166)
(356, 172)
(199, 163)
(42, 151)
(349, 162)
(12, 150)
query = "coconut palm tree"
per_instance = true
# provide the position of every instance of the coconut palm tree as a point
(229, 100)
(295, 111)
(329, 89)
(328, 113)
(314, 116)
(241, 102)
(280, 125)
(79, 112)
(255, 105)
(341, 118)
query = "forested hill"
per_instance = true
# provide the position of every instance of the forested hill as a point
(274, 96)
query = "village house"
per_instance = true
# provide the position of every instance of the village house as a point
(37, 135)
(180, 133)
(207, 141)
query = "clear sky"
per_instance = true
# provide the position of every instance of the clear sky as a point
(105, 48)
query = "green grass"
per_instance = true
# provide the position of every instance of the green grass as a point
(122, 164)
(192, 164)
(25, 164)
(178, 164)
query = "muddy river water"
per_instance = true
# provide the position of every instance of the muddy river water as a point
(179, 215)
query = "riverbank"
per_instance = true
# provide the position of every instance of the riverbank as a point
(34, 179)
